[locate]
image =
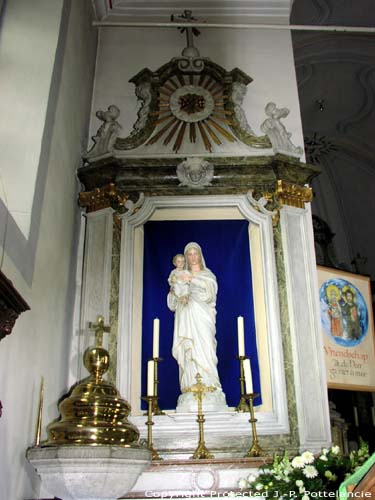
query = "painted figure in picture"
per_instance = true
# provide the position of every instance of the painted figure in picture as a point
(334, 310)
(350, 313)
(194, 337)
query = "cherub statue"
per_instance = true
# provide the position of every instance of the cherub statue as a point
(107, 133)
(277, 133)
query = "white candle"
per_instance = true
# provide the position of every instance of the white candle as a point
(241, 336)
(155, 343)
(150, 377)
(248, 377)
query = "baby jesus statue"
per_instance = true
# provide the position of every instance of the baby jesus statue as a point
(179, 279)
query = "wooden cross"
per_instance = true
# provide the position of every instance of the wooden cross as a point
(99, 328)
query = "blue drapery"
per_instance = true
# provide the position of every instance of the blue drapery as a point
(225, 247)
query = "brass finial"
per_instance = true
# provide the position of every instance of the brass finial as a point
(94, 413)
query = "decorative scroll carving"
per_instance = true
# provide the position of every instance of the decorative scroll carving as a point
(260, 205)
(107, 133)
(238, 94)
(144, 95)
(189, 103)
(293, 194)
(276, 131)
(195, 173)
(11, 306)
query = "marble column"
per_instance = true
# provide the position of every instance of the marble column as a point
(96, 283)
(305, 329)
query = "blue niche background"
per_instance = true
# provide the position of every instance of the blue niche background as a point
(225, 247)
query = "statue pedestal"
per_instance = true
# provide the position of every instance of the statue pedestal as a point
(211, 402)
(88, 472)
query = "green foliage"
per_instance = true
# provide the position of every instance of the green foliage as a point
(297, 478)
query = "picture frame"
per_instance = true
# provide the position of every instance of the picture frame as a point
(348, 329)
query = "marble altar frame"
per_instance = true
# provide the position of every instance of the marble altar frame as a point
(274, 417)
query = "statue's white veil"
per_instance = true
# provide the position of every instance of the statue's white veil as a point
(195, 245)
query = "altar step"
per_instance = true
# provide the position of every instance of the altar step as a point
(199, 478)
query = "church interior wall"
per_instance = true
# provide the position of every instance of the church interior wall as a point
(27, 53)
(40, 341)
(264, 55)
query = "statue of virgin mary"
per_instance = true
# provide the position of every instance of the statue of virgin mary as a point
(194, 338)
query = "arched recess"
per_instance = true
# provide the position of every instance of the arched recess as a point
(272, 414)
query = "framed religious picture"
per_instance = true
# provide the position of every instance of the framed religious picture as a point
(348, 329)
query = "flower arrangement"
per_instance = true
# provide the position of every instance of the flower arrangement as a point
(305, 475)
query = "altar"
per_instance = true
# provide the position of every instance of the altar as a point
(193, 169)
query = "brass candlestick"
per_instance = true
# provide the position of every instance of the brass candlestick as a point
(255, 450)
(156, 409)
(199, 389)
(150, 404)
(242, 405)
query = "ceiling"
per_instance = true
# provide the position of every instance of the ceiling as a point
(336, 82)
(230, 11)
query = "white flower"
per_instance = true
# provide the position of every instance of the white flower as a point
(299, 483)
(310, 471)
(298, 462)
(305, 497)
(335, 450)
(324, 458)
(251, 478)
(307, 457)
(259, 486)
(302, 489)
(325, 451)
(242, 484)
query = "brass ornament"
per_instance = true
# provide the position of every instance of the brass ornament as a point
(198, 390)
(293, 194)
(255, 449)
(103, 197)
(94, 414)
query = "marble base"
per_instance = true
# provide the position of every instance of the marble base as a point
(195, 478)
(88, 472)
(212, 401)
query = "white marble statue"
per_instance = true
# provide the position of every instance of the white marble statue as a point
(194, 338)
(277, 133)
(106, 136)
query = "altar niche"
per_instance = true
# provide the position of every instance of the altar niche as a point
(225, 246)
(192, 219)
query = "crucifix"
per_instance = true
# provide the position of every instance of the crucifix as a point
(191, 61)
(198, 390)
(99, 328)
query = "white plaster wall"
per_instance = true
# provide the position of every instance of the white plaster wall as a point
(40, 342)
(266, 55)
(28, 41)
